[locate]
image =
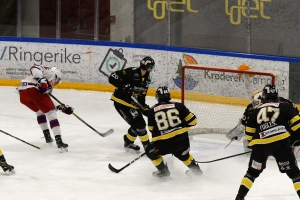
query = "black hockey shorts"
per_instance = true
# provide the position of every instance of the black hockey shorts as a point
(179, 147)
(132, 116)
(282, 153)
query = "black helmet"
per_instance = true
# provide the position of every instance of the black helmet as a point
(163, 94)
(147, 63)
(270, 93)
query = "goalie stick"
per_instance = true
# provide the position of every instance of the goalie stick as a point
(118, 170)
(230, 142)
(110, 131)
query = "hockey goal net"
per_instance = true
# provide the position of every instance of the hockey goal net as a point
(219, 96)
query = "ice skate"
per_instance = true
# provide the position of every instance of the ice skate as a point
(62, 146)
(47, 135)
(194, 172)
(8, 169)
(132, 146)
(162, 173)
(194, 169)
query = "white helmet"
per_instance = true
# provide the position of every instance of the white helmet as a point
(59, 75)
(256, 98)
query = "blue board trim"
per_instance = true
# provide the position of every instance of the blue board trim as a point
(153, 47)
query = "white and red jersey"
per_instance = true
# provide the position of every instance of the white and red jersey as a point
(37, 72)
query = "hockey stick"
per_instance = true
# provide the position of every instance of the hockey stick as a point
(118, 170)
(110, 131)
(230, 142)
(223, 158)
(19, 139)
(138, 103)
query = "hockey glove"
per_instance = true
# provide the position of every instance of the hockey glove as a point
(65, 109)
(237, 132)
(127, 88)
(145, 110)
(44, 86)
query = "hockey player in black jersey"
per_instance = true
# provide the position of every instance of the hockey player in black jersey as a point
(268, 135)
(239, 131)
(169, 123)
(133, 82)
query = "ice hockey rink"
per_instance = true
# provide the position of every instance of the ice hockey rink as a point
(82, 172)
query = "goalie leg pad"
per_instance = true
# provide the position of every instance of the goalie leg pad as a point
(245, 144)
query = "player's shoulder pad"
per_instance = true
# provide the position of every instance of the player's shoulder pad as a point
(39, 67)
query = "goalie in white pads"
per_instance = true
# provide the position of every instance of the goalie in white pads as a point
(34, 94)
(8, 169)
(239, 131)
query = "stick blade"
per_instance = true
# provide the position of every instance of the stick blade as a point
(112, 168)
(110, 131)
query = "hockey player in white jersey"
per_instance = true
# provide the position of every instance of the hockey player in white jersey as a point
(34, 91)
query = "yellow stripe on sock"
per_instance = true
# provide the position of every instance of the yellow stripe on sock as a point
(247, 183)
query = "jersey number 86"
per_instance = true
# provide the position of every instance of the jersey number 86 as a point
(167, 119)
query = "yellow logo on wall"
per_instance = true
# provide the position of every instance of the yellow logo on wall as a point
(163, 6)
(237, 11)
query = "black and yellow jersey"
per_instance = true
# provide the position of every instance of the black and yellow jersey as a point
(138, 83)
(249, 109)
(170, 121)
(271, 121)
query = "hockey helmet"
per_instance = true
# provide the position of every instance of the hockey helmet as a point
(147, 63)
(58, 75)
(256, 98)
(163, 94)
(270, 93)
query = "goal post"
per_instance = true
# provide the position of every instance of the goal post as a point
(219, 96)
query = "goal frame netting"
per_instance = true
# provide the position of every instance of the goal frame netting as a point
(245, 74)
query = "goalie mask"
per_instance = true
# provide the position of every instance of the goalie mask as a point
(256, 98)
(58, 75)
(147, 63)
(270, 93)
(163, 94)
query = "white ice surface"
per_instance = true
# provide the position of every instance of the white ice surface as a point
(82, 173)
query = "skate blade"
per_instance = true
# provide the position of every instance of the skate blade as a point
(131, 150)
(11, 172)
(193, 174)
(63, 150)
(162, 178)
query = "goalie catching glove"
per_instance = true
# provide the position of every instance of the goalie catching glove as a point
(44, 86)
(237, 132)
(65, 109)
